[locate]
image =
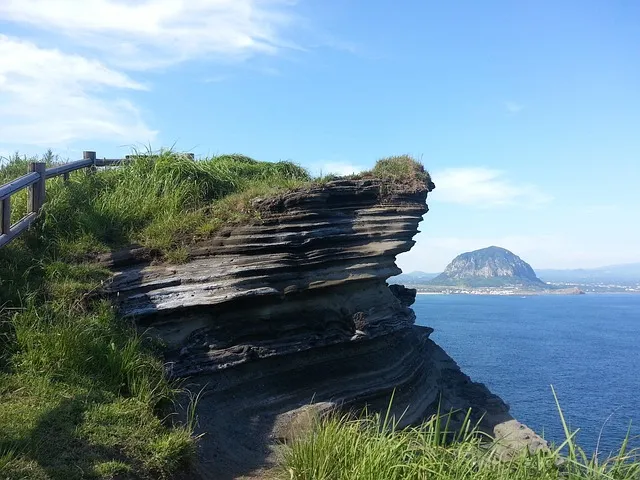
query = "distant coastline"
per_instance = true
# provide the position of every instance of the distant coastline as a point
(515, 293)
(504, 291)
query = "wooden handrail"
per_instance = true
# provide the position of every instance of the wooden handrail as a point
(68, 168)
(18, 184)
(35, 181)
(18, 228)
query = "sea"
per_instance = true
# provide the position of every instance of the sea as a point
(586, 346)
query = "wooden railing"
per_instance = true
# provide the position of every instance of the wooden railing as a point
(35, 181)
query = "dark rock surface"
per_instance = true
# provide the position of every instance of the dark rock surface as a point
(407, 296)
(295, 309)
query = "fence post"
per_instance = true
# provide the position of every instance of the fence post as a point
(5, 218)
(37, 191)
(87, 155)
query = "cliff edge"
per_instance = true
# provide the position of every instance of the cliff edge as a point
(294, 309)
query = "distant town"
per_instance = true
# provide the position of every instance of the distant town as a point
(512, 290)
(554, 289)
(602, 287)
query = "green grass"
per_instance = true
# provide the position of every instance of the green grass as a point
(166, 202)
(373, 448)
(82, 395)
(400, 171)
(160, 201)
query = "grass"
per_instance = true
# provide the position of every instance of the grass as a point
(372, 448)
(400, 171)
(161, 201)
(82, 395)
(166, 202)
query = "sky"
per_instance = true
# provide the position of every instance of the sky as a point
(527, 114)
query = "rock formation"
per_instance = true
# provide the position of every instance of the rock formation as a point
(491, 266)
(294, 309)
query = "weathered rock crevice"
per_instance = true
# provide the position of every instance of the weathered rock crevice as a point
(293, 309)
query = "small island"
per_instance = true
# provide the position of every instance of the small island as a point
(488, 271)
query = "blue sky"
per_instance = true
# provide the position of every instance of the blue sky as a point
(526, 113)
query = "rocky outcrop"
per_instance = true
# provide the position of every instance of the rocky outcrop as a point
(294, 309)
(491, 266)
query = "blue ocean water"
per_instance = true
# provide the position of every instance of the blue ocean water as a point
(586, 346)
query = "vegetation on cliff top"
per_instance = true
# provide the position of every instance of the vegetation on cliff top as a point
(372, 448)
(403, 170)
(158, 201)
(166, 201)
(81, 394)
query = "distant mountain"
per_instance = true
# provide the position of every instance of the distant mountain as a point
(488, 267)
(413, 278)
(621, 274)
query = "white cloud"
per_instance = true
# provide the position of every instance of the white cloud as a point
(71, 82)
(156, 33)
(48, 98)
(513, 107)
(483, 187)
(340, 168)
(216, 79)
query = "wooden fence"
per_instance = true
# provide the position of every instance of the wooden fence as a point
(35, 181)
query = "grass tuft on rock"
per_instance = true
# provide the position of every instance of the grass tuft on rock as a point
(400, 170)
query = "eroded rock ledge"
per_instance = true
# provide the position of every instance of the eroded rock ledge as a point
(294, 309)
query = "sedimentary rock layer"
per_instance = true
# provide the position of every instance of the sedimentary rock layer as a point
(294, 308)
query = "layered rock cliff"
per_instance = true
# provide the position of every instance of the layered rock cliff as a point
(295, 309)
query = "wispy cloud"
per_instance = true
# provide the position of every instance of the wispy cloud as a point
(76, 84)
(600, 209)
(156, 33)
(216, 79)
(48, 97)
(339, 168)
(513, 107)
(484, 187)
